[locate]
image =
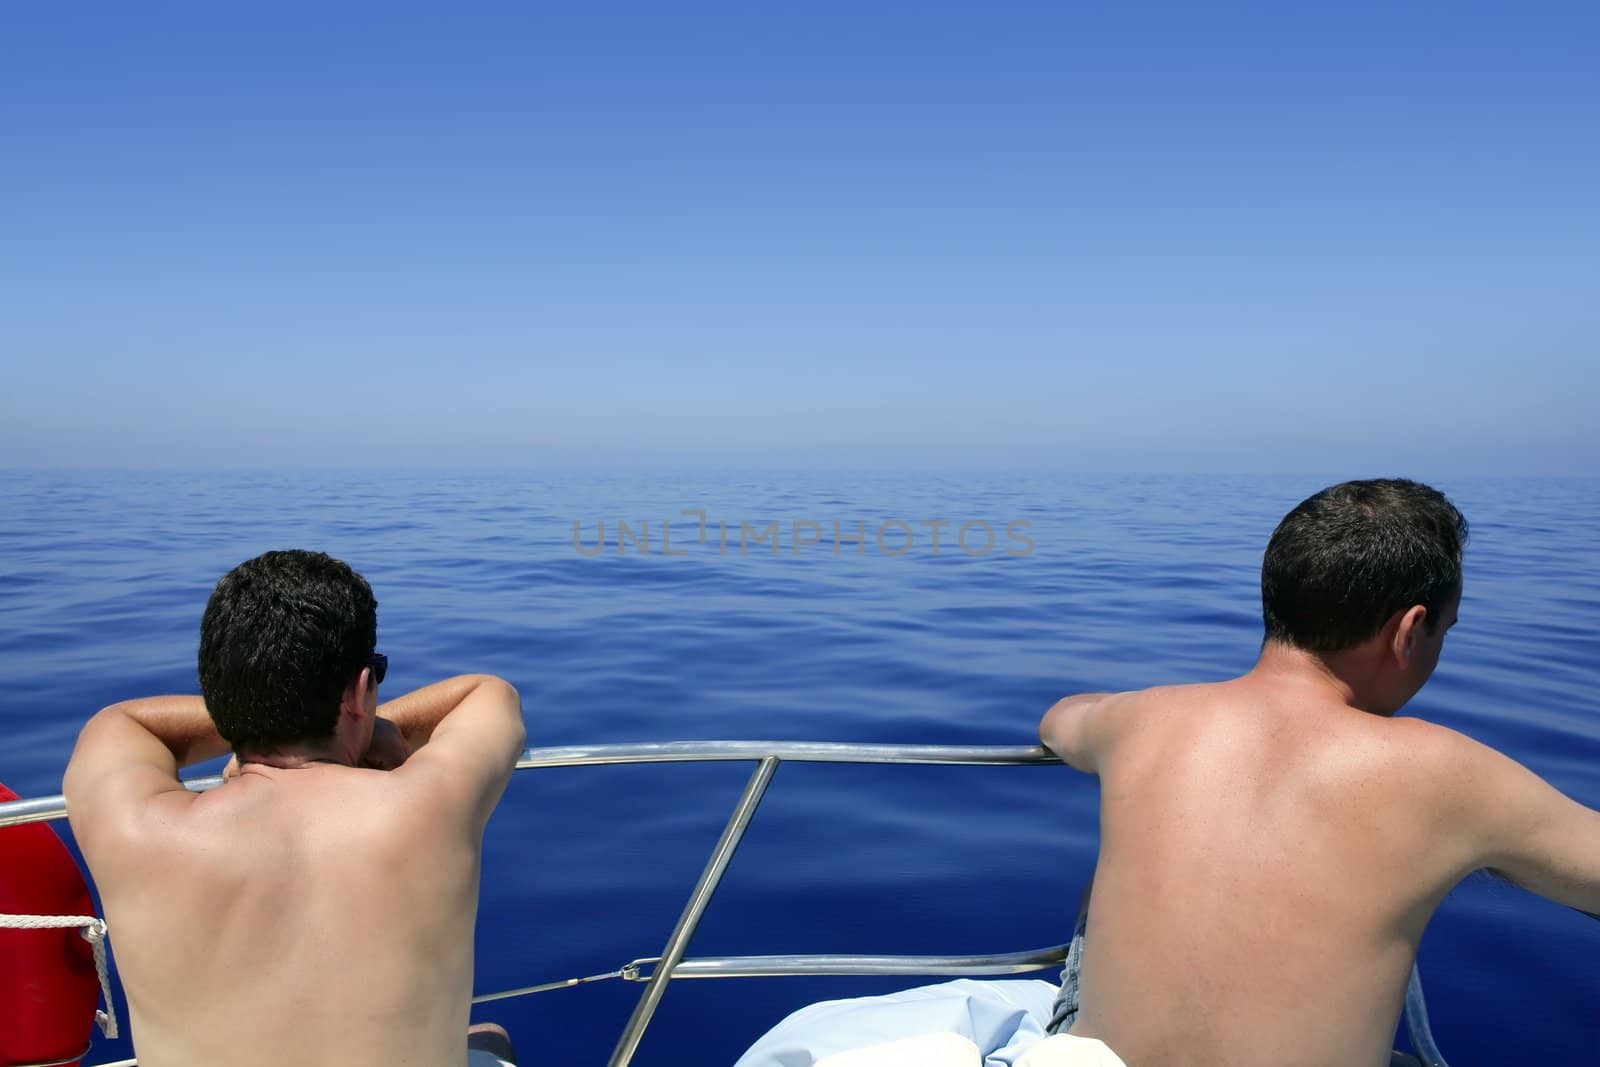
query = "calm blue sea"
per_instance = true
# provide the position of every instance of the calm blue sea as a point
(1129, 581)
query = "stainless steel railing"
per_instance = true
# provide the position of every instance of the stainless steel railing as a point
(45, 809)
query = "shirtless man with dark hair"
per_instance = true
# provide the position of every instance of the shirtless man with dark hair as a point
(1271, 847)
(317, 908)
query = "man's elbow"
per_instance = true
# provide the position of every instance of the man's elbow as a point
(121, 710)
(92, 752)
(502, 692)
(504, 687)
(1060, 724)
(492, 686)
(1064, 739)
(506, 696)
(93, 737)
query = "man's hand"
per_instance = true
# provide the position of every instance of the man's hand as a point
(388, 749)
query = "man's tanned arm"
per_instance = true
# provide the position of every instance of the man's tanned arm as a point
(1534, 835)
(419, 712)
(1501, 817)
(473, 729)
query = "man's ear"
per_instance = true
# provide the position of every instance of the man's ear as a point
(353, 701)
(1407, 633)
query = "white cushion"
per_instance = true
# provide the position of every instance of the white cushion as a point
(924, 1050)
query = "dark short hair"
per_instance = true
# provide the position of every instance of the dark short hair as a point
(282, 636)
(1346, 559)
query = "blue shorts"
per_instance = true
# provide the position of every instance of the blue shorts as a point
(1065, 1011)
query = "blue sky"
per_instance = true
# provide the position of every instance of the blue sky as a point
(1358, 238)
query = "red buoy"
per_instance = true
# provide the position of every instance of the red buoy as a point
(48, 986)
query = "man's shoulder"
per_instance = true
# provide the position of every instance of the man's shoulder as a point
(1179, 698)
(1464, 761)
(129, 825)
(1416, 747)
(1429, 746)
(1112, 721)
(1432, 767)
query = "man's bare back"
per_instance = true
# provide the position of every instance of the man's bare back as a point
(1272, 847)
(317, 914)
(318, 907)
(1296, 860)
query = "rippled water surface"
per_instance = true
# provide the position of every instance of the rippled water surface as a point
(1129, 581)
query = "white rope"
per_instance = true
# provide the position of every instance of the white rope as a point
(94, 932)
(45, 922)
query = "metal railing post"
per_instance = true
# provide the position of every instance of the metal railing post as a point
(628, 1043)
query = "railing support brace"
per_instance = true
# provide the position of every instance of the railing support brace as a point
(628, 1043)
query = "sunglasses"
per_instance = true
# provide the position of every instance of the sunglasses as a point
(380, 667)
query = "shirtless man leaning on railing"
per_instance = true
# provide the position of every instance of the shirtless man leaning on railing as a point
(1271, 847)
(318, 908)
